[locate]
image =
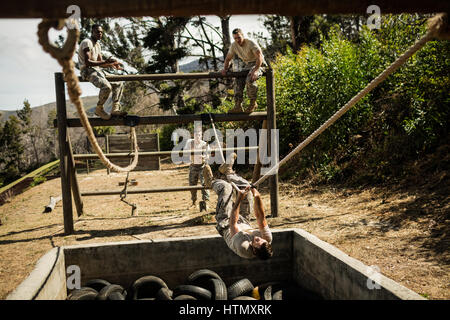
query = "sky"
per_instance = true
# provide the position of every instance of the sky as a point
(27, 72)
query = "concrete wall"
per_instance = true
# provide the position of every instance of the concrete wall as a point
(47, 281)
(173, 260)
(324, 269)
(298, 256)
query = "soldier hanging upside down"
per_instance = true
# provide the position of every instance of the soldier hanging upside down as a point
(234, 227)
(91, 61)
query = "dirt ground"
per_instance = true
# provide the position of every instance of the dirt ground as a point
(403, 232)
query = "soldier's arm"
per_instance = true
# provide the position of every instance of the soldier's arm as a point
(89, 61)
(234, 216)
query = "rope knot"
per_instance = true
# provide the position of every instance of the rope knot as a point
(66, 52)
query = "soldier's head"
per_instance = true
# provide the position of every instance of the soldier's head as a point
(238, 36)
(96, 32)
(261, 248)
(198, 134)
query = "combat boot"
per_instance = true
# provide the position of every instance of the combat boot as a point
(227, 168)
(99, 111)
(116, 110)
(208, 176)
(251, 107)
(237, 107)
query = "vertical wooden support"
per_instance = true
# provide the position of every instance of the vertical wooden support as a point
(108, 171)
(63, 152)
(74, 180)
(257, 168)
(271, 124)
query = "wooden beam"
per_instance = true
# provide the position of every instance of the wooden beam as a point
(272, 124)
(64, 153)
(182, 118)
(139, 8)
(74, 180)
(173, 76)
(140, 191)
(152, 153)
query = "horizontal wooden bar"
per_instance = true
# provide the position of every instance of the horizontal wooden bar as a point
(140, 8)
(91, 156)
(182, 118)
(140, 191)
(173, 76)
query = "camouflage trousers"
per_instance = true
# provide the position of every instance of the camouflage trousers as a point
(225, 204)
(241, 83)
(97, 78)
(195, 174)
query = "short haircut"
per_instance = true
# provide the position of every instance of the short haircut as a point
(95, 26)
(237, 30)
(264, 252)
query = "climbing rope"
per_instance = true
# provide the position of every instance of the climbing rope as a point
(436, 28)
(64, 57)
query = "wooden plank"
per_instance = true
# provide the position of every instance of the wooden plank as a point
(139, 8)
(272, 124)
(74, 180)
(139, 191)
(64, 153)
(93, 156)
(184, 118)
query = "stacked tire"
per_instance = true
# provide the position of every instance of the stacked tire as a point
(203, 284)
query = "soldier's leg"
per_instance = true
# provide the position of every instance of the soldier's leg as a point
(98, 79)
(117, 91)
(224, 192)
(246, 207)
(205, 192)
(193, 179)
(239, 86)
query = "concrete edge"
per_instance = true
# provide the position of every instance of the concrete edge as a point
(395, 288)
(30, 288)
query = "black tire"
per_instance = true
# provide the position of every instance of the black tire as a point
(83, 294)
(164, 294)
(218, 289)
(268, 293)
(185, 297)
(97, 284)
(107, 292)
(147, 287)
(201, 277)
(240, 288)
(116, 296)
(195, 291)
(244, 298)
(278, 295)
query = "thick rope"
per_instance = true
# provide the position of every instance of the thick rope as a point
(435, 27)
(64, 57)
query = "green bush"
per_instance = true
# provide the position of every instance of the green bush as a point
(403, 117)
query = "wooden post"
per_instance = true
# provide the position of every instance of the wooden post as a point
(257, 167)
(74, 180)
(271, 124)
(63, 152)
(108, 171)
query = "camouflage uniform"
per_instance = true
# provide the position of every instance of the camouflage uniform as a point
(96, 76)
(246, 207)
(196, 173)
(224, 206)
(241, 83)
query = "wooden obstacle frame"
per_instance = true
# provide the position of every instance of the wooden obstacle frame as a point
(69, 181)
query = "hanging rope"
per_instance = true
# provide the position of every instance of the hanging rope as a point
(64, 57)
(436, 28)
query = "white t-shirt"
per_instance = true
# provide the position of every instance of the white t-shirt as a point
(241, 241)
(94, 50)
(246, 52)
(197, 158)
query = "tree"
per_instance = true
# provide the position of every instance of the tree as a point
(11, 150)
(32, 133)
